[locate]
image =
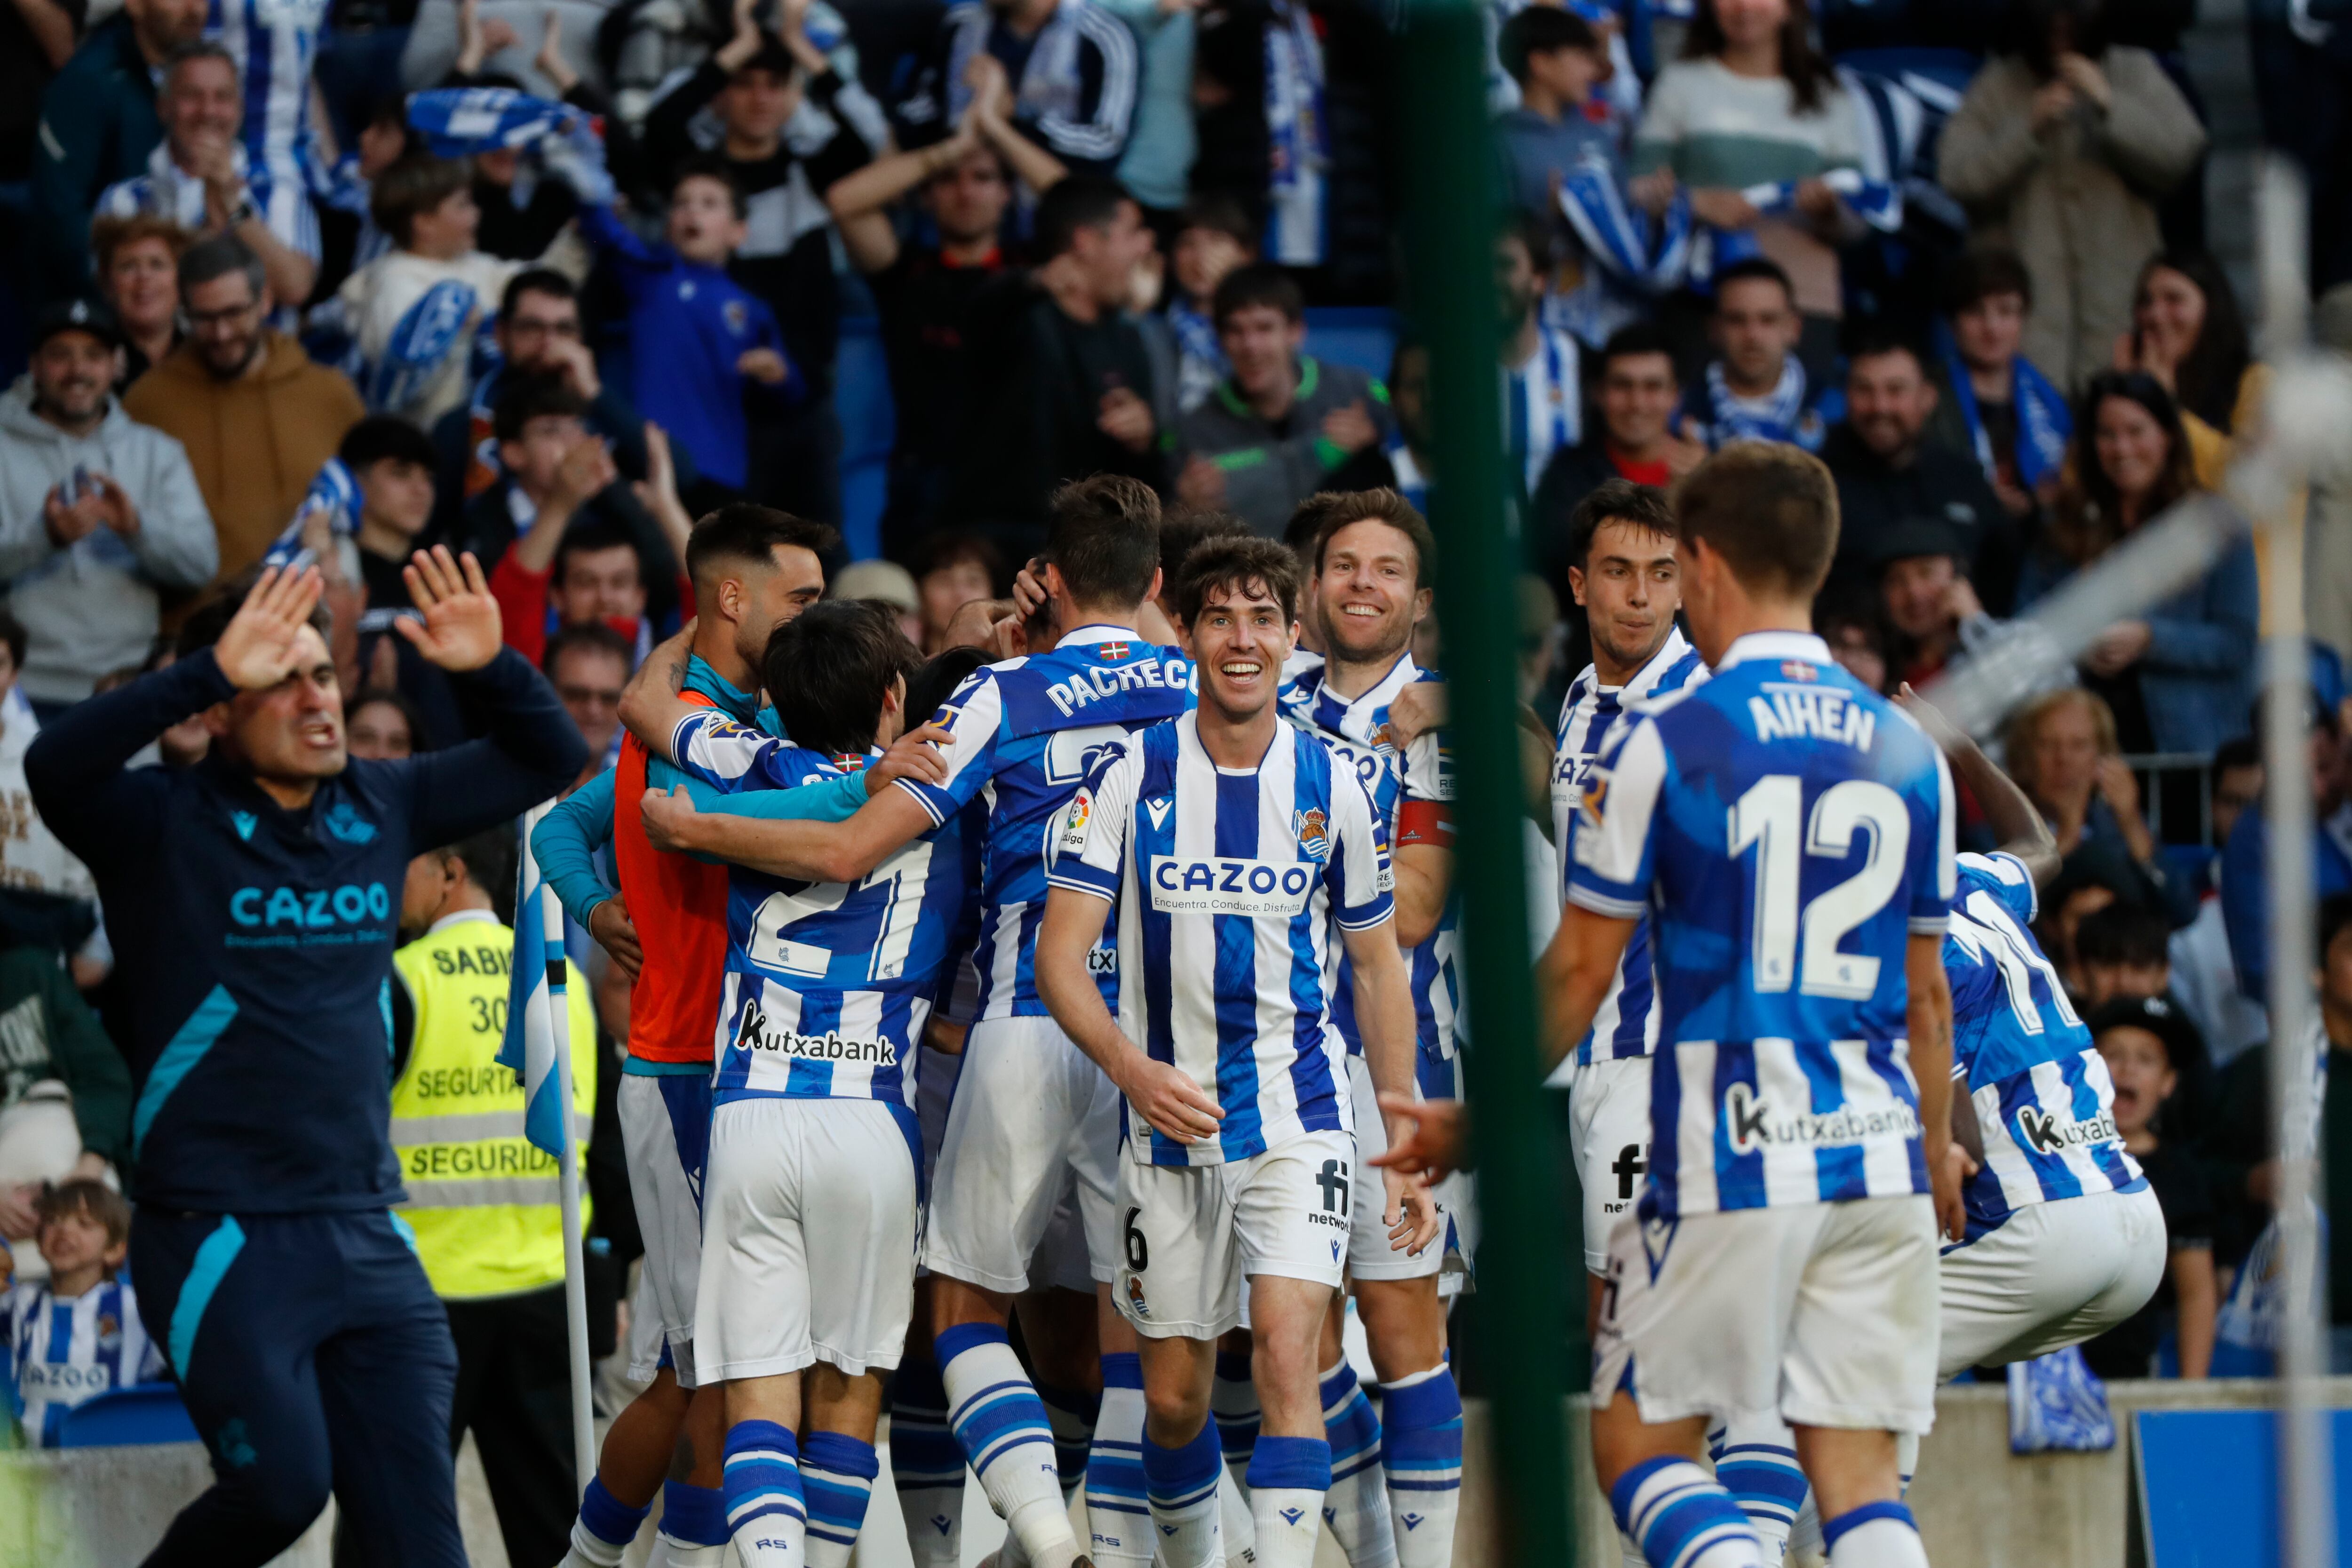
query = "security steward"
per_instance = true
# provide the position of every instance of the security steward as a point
(482, 1199)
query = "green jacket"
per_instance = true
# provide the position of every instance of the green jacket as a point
(48, 1031)
(98, 125)
(1270, 467)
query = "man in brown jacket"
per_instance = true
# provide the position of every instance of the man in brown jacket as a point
(257, 417)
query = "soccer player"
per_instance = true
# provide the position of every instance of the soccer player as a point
(256, 897)
(1228, 847)
(1622, 569)
(1395, 1482)
(1030, 1109)
(811, 1197)
(1790, 832)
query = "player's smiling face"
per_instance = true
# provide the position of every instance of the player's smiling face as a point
(1367, 596)
(1630, 587)
(1238, 642)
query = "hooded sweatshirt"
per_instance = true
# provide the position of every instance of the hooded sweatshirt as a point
(256, 443)
(92, 607)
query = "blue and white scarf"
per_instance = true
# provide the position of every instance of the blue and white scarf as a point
(335, 493)
(1780, 414)
(1874, 202)
(1200, 358)
(420, 343)
(1298, 141)
(2044, 423)
(458, 121)
(1541, 404)
(1049, 83)
(1651, 254)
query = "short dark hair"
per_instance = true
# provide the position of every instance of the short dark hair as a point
(1617, 501)
(951, 547)
(202, 49)
(1524, 229)
(586, 536)
(87, 1195)
(1878, 342)
(2122, 933)
(218, 256)
(13, 634)
(1752, 268)
(1221, 214)
(391, 696)
(1770, 509)
(535, 397)
(1332, 511)
(2334, 918)
(1977, 275)
(591, 637)
(413, 186)
(1076, 202)
(710, 166)
(2238, 752)
(544, 281)
(379, 436)
(1258, 284)
(1103, 533)
(1636, 338)
(747, 534)
(828, 669)
(1183, 529)
(204, 629)
(936, 680)
(490, 856)
(1238, 565)
(1538, 30)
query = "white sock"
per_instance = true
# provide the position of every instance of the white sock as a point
(1001, 1425)
(1357, 1505)
(1240, 1529)
(1287, 1478)
(1876, 1535)
(1756, 1461)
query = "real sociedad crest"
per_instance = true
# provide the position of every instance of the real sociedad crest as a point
(1314, 841)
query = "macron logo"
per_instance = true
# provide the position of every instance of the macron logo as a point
(1291, 1516)
(1159, 810)
(244, 822)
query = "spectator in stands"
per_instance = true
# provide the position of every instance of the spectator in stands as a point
(1857, 640)
(98, 125)
(37, 38)
(257, 419)
(381, 725)
(1637, 440)
(78, 1335)
(98, 516)
(2122, 953)
(1751, 101)
(1997, 406)
(1282, 425)
(522, 209)
(2188, 332)
(2204, 979)
(1408, 449)
(1070, 390)
(2145, 1041)
(1070, 66)
(2336, 1111)
(48, 898)
(1212, 239)
(924, 292)
(885, 582)
(65, 1092)
(1557, 157)
(1757, 388)
(138, 274)
(588, 663)
(1890, 469)
(392, 462)
(2245, 853)
(702, 347)
(2061, 751)
(2178, 678)
(1925, 594)
(953, 570)
(2061, 149)
(756, 82)
(1543, 406)
(199, 178)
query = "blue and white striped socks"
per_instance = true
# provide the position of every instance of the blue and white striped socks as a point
(1876, 1535)
(603, 1531)
(1119, 1519)
(1001, 1426)
(1681, 1517)
(766, 1515)
(1421, 1447)
(926, 1464)
(1756, 1461)
(1181, 1486)
(693, 1531)
(1287, 1478)
(1357, 1505)
(837, 1475)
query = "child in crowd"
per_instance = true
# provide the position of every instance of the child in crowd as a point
(78, 1335)
(2000, 407)
(392, 462)
(1212, 238)
(698, 340)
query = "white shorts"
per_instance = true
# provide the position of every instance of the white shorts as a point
(1609, 1116)
(1457, 1195)
(1370, 1255)
(811, 1253)
(1031, 1114)
(2053, 1275)
(1190, 1234)
(1823, 1314)
(665, 1137)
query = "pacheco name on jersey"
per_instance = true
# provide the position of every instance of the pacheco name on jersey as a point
(752, 1032)
(1752, 1125)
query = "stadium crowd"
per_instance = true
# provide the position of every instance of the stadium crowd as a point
(330, 283)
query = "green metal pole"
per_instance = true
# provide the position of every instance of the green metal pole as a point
(1449, 253)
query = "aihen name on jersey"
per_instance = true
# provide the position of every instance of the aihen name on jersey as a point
(754, 1033)
(1097, 681)
(1751, 1124)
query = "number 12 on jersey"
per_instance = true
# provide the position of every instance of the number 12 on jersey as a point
(1800, 945)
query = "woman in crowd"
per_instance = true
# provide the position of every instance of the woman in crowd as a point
(2179, 677)
(2061, 751)
(380, 724)
(952, 570)
(2060, 150)
(138, 272)
(2188, 332)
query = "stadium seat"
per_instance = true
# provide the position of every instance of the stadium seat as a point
(142, 1413)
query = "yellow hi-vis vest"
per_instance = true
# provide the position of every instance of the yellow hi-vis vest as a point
(483, 1200)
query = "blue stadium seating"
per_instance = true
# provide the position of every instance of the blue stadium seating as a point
(142, 1413)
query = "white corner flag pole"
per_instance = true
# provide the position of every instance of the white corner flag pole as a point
(575, 1279)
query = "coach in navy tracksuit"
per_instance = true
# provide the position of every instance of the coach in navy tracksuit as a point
(253, 901)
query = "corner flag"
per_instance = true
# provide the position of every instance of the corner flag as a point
(536, 1002)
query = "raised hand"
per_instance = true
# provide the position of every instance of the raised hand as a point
(550, 61)
(460, 629)
(256, 649)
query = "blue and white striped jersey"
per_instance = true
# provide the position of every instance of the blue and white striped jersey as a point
(1627, 1023)
(2043, 1100)
(166, 191)
(1224, 885)
(273, 43)
(65, 1352)
(828, 983)
(1026, 729)
(1358, 732)
(1788, 830)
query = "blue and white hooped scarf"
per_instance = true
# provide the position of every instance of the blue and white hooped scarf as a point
(1874, 202)
(1780, 414)
(1048, 87)
(458, 121)
(1200, 358)
(420, 343)
(1298, 143)
(335, 492)
(2044, 423)
(1651, 254)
